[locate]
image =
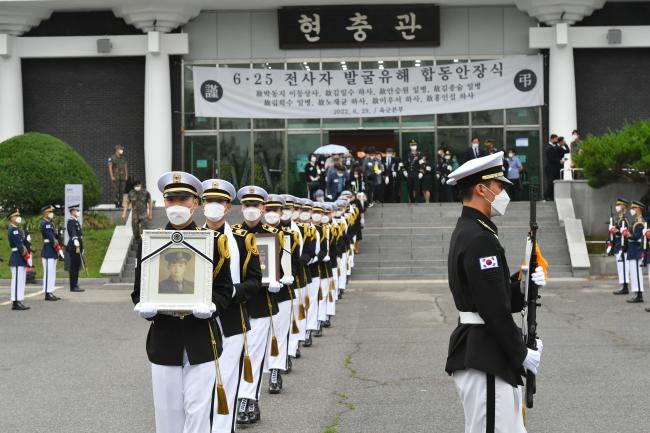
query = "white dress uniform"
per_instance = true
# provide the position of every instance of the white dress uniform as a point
(298, 300)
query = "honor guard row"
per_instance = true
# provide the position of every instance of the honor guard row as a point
(628, 243)
(254, 328)
(22, 255)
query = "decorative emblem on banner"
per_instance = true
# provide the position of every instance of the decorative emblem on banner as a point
(211, 91)
(525, 80)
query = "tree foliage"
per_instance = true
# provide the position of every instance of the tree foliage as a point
(34, 169)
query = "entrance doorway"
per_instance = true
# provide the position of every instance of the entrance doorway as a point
(359, 140)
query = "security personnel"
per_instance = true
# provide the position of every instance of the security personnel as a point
(261, 307)
(393, 166)
(75, 247)
(118, 171)
(413, 171)
(139, 200)
(50, 252)
(19, 260)
(246, 276)
(180, 344)
(634, 238)
(487, 349)
(276, 365)
(620, 247)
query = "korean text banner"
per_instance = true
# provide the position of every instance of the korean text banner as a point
(459, 87)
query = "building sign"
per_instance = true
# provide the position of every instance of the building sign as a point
(359, 26)
(458, 87)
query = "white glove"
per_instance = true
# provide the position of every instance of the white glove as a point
(394, 174)
(29, 238)
(274, 286)
(645, 231)
(387, 180)
(326, 259)
(312, 261)
(76, 242)
(61, 254)
(406, 174)
(287, 280)
(204, 311)
(145, 310)
(30, 262)
(531, 363)
(540, 345)
(538, 277)
(234, 291)
(420, 175)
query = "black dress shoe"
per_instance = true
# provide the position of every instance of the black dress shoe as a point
(298, 354)
(17, 305)
(638, 298)
(242, 415)
(319, 331)
(253, 411)
(289, 365)
(77, 289)
(327, 323)
(275, 382)
(648, 309)
(51, 297)
(622, 291)
(307, 342)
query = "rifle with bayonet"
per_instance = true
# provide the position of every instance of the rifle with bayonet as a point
(531, 293)
(610, 240)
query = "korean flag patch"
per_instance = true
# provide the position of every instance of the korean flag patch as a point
(488, 262)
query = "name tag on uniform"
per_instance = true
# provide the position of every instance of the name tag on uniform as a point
(488, 262)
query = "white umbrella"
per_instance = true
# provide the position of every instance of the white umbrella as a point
(331, 149)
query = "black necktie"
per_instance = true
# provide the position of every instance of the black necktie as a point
(475, 153)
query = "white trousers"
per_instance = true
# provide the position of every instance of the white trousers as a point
(350, 262)
(18, 278)
(344, 271)
(282, 326)
(331, 305)
(312, 312)
(257, 338)
(49, 275)
(322, 304)
(182, 397)
(623, 277)
(231, 365)
(491, 405)
(636, 275)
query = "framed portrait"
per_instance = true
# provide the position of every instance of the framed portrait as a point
(176, 269)
(268, 245)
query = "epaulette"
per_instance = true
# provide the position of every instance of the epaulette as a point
(236, 226)
(287, 230)
(239, 232)
(638, 222)
(269, 228)
(488, 228)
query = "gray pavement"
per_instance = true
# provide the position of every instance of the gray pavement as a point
(79, 365)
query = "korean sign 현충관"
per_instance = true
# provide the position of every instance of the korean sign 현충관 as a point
(352, 26)
(511, 82)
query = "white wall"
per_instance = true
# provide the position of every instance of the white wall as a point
(464, 32)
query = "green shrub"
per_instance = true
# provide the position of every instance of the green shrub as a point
(34, 169)
(616, 155)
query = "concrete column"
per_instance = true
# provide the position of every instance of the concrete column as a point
(157, 121)
(11, 97)
(562, 110)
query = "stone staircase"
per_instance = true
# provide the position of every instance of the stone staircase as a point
(410, 242)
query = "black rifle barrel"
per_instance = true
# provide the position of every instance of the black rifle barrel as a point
(533, 295)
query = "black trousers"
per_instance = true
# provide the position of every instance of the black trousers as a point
(551, 175)
(75, 264)
(414, 188)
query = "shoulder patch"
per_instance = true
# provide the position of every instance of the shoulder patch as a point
(488, 262)
(16, 232)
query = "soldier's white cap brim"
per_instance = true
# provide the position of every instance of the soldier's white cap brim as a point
(477, 170)
(179, 183)
(252, 193)
(218, 188)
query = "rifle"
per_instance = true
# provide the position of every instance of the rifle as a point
(83, 262)
(644, 243)
(610, 240)
(531, 293)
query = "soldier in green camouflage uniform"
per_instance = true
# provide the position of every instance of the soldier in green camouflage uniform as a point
(139, 200)
(119, 173)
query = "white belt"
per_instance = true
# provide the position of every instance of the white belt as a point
(470, 318)
(46, 241)
(14, 249)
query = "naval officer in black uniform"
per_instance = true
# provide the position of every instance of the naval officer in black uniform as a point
(487, 354)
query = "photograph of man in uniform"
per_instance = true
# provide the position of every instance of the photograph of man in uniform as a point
(178, 275)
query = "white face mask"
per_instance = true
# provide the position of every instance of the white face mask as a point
(305, 216)
(618, 208)
(325, 219)
(316, 217)
(474, 145)
(447, 156)
(214, 211)
(252, 213)
(575, 136)
(286, 214)
(339, 213)
(500, 203)
(119, 152)
(137, 188)
(178, 215)
(295, 215)
(414, 148)
(50, 215)
(633, 212)
(19, 220)
(272, 218)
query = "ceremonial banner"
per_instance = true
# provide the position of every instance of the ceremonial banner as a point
(511, 82)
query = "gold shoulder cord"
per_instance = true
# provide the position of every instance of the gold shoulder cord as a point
(222, 401)
(248, 366)
(296, 241)
(224, 253)
(251, 249)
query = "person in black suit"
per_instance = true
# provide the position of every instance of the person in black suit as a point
(474, 151)
(392, 168)
(75, 247)
(552, 165)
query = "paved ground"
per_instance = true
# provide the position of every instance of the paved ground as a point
(79, 365)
